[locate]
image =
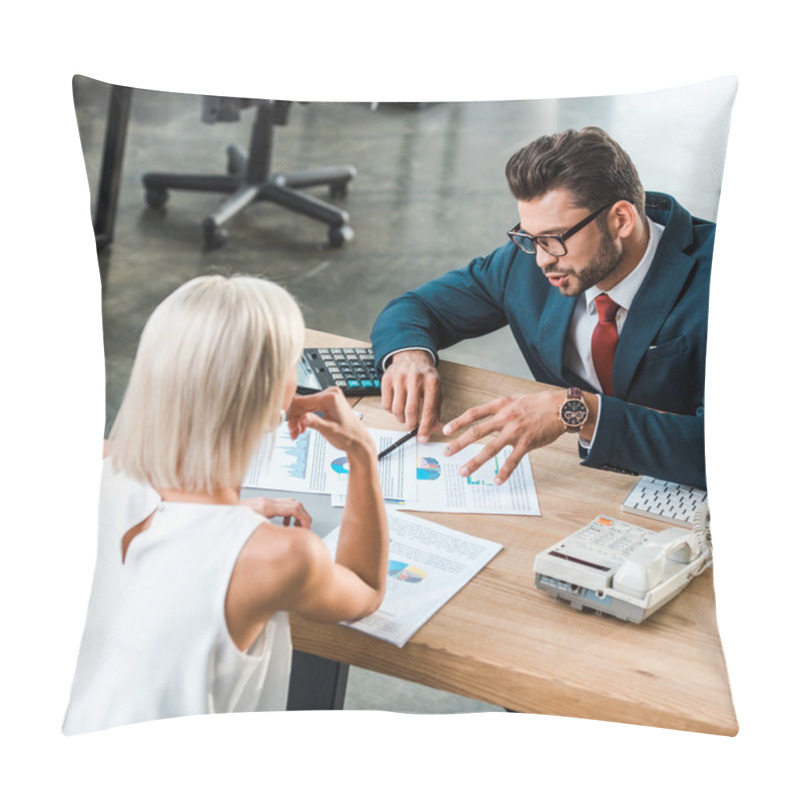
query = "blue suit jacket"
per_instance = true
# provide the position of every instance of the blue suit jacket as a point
(660, 358)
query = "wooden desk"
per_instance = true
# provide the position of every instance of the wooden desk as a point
(502, 641)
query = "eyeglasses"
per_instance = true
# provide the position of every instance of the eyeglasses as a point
(554, 244)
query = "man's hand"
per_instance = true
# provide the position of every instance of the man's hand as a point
(411, 390)
(524, 421)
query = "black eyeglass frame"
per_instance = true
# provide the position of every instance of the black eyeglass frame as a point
(560, 237)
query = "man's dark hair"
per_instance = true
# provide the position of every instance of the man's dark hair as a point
(588, 163)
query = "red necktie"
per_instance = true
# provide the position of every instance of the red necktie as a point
(604, 341)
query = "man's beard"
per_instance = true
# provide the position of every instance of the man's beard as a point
(604, 262)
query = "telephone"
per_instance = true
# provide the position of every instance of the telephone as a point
(615, 568)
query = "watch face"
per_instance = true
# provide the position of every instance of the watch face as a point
(574, 413)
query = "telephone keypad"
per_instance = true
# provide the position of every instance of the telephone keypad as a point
(613, 539)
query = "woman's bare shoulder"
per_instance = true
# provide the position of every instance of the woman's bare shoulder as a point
(286, 554)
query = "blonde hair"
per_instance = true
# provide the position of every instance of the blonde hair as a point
(208, 380)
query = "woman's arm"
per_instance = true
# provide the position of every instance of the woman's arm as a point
(363, 537)
(290, 568)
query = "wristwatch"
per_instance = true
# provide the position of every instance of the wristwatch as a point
(573, 412)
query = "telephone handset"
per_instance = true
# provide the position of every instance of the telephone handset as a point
(623, 570)
(651, 564)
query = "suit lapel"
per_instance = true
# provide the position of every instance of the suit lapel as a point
(654, 300)
(553, 330)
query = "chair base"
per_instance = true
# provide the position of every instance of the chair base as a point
(248, 180)
(281, 188)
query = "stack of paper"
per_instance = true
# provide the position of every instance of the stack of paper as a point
(414, 477)
(428, 563)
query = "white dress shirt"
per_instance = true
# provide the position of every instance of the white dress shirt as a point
(578, 355)
(579, 342)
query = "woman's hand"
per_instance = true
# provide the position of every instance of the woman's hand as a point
(338, 423)
(288, 508)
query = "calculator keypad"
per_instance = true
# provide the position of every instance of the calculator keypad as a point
(352, 369)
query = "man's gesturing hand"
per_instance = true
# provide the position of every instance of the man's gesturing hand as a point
(411, 390)
(524, 421)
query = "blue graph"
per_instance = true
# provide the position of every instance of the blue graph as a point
(296, 454)
(474, 481)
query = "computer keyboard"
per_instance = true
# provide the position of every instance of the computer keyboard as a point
(664, 500)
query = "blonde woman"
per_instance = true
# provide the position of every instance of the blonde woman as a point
(189, 606)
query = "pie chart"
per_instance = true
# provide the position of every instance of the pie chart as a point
(339, 465)
(428, 469)
(407, 573)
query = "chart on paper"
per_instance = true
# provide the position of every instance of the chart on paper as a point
(441, 487)
(311, 464)
(294, 465)
(428, 564)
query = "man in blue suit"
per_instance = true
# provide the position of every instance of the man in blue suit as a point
(605, 289)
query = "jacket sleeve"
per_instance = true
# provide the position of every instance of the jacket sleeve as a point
(648, 442)
(461, 304)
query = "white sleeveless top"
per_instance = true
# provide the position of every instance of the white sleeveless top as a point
(156, 643)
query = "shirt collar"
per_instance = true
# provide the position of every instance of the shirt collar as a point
(624, 292)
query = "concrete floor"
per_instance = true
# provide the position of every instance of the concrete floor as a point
(429, 195)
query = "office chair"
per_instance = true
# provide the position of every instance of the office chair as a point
(249, 177)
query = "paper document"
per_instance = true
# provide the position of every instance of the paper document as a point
(311, 464)
(440, 487)
(288, 465)
(428, 564)
(397, 475)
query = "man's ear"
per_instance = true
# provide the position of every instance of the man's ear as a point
(622, 219)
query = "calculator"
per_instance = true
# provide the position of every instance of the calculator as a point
(352, 369)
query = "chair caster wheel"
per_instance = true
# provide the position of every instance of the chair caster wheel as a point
(338, 190)
(156, 197)
(337, 236)
(237, 161)
(214, 236)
